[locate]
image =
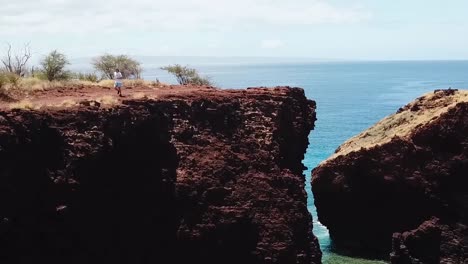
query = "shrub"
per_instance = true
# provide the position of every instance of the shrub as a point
(3, 80)
(107, 64)
(24, 105)
(89, 77)
(9, 78)
(197, 80)
(13, 79)
(53, 66)
(32, 83)
(186, 75)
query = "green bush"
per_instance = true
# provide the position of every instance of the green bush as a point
(53, 66)
(107, 64)
(197, 80)
(186, 75)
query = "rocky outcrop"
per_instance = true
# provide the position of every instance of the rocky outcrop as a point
(392, 178)
(432, 242)
(205, 176)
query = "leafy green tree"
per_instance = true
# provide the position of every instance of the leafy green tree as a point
(186, 75)
(53, 66)
(107, 64)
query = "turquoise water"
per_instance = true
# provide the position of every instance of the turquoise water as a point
(350, 97)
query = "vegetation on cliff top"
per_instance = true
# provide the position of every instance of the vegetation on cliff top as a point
(16, 77)
(53, 66)
(186, 75)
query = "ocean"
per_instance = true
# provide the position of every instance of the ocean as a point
(350, 96)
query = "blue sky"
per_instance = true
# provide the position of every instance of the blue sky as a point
(322, 29)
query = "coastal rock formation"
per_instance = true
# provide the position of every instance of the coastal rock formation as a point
(190, 176)
(432, 242)
(405, 170)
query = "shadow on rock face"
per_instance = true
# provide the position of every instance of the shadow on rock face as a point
(207, 178)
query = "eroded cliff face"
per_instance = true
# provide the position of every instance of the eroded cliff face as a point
(206, 176)
(405, 178)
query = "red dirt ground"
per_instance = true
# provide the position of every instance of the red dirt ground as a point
(57, 96)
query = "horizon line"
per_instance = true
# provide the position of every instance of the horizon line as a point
(284, 57)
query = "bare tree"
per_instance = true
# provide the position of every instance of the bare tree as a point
(16, 63)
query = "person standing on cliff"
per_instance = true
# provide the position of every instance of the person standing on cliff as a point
(118, 78)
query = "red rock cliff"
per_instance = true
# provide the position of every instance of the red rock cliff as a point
(202, 176)
(408, 173)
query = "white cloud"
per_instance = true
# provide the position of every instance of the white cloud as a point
(272, 44)
(85, 16)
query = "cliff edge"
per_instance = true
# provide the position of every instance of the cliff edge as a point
(186, 175)
(404, 179)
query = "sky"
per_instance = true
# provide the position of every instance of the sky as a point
(318, 29)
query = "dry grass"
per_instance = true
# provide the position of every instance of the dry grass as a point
(139, 96)
(131, 83)
(106, 83)
(104, 101)
(30, 84)
(107, 100)
(24, 105)
(68, 103)
(422, 111)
